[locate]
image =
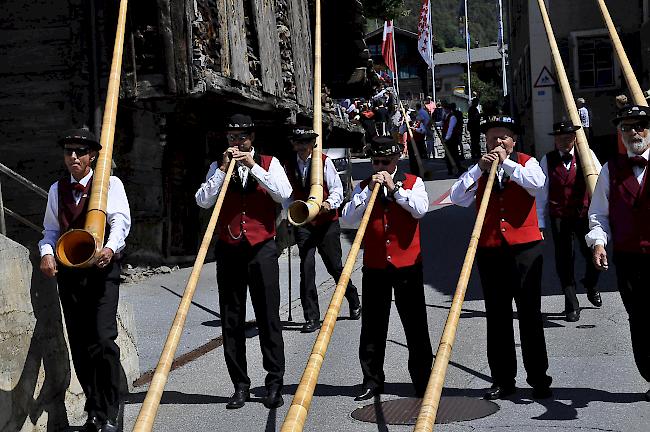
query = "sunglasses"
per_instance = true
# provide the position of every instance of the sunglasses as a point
(638, 126)
(80, 151)
(238, 137)
(384, 162)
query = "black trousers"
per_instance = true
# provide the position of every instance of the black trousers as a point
(565, 231)
(632, 278)
(453, 145)
(89, 299)
(475, 141)
(377, 289)
(327, 239)
(256, 267)
(507, 273)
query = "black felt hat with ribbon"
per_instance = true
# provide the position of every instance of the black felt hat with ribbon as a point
(634, 112)
(80, 136)
(384, 146)
(303, 134)
(564, 127)
(499, 121)
(240, 122)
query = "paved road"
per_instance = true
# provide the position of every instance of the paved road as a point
(596, 384)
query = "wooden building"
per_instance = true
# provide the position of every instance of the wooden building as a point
(187, 65)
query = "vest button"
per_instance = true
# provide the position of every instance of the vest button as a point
(386, 226)
(245, 231)
(387, 241)
(243, 212)
(245, 221)
(502, 230)
(388, 257)
(502, 220)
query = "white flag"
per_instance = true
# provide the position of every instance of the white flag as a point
(424, 33)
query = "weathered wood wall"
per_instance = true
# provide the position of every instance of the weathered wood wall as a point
(269, 46)
(302, 52)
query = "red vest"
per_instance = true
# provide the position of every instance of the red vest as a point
(71, 215)
(301, 192)
(567, 191)
(393, 235)
(629, 207)
(247, 213)
(511, 214)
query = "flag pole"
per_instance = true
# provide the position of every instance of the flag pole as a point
(503, 50)
(396, 77)
(433, 66)
(469, 60)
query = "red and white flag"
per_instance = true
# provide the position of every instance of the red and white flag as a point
(424, 33)
(388, 45)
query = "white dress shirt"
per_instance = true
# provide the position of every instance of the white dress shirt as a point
(584, 116)
(118, 215)
(599, 229)
(274, 181)
(542, 197)
(332, 179)
(452, 124)
(528, 176)
(415, 201)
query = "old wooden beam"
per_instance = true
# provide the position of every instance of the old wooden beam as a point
(239, 69)
(181, 48)
(166, 34)
(222, 18)
(302, 53)
(269, 46)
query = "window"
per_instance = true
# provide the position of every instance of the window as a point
(594, 64)
(406, 72)
(375, 50)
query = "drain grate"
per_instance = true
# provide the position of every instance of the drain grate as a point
(405, 411)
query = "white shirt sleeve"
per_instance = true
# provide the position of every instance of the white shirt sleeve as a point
(207, 194)
(450, 129)
(274, 181)
(51, 228)
(334, 185)
(415, 200)
(599, 230)
(463, 192)
(118, 215)
(353, 210)
(529, 176)
(541, 199)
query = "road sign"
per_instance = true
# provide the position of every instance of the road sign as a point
(545, 79)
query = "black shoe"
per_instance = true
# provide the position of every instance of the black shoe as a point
(367, 394)
(573, 316)
(109, 426)
(542, 392)
(93, 424)
(499, 392)
(238, 399)
(273, 399)
(647, 396)
(310, 326)
(593, 295)
(355, 312)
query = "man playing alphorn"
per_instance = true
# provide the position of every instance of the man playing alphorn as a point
(392, 261)
(566, 200)
(509, 258)
(323, 233)
(620, 214)
(247, 256)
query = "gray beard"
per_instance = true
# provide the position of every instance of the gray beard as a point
(637, 147)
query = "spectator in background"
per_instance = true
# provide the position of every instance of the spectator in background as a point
(474, 128)
(452, 134)
(420, 127)
(381, 117)
(429, 105)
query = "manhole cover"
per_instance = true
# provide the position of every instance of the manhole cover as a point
(405, 411)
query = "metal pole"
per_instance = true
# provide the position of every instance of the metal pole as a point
(469, 60)
(3, 227)
(289, 251)
(503, 50)
(433, 66)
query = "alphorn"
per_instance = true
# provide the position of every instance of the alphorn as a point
(588, 167)
(302, 212)
(628, 73)
(297, 415)
(78, 248)
(149, 408)
(431, 400)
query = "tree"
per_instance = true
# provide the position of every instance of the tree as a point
(489, 93)
(384, 9)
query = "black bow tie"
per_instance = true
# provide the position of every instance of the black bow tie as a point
(566, 157)
(638, 161)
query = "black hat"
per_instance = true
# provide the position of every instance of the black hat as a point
(80, 136)
(632, 112)
(384, 146)
(240, 121)
(499, 121)
(564, 127)
(303, 134)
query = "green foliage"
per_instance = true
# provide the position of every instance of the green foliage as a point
(384, 9)
(490, 93)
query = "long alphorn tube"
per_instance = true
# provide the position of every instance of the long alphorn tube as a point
(431, 400)
(588, 167)
(302, 212)
(78, 248)
(628, 73)
(297, 415)
(149, 408)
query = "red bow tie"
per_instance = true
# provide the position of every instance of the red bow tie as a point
(638, 161)
(78, 187)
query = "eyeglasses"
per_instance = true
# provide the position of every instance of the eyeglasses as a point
(384, 162)
(238, 137)
(79, 151)
(638, 126)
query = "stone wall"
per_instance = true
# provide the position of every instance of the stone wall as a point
(38, 388)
